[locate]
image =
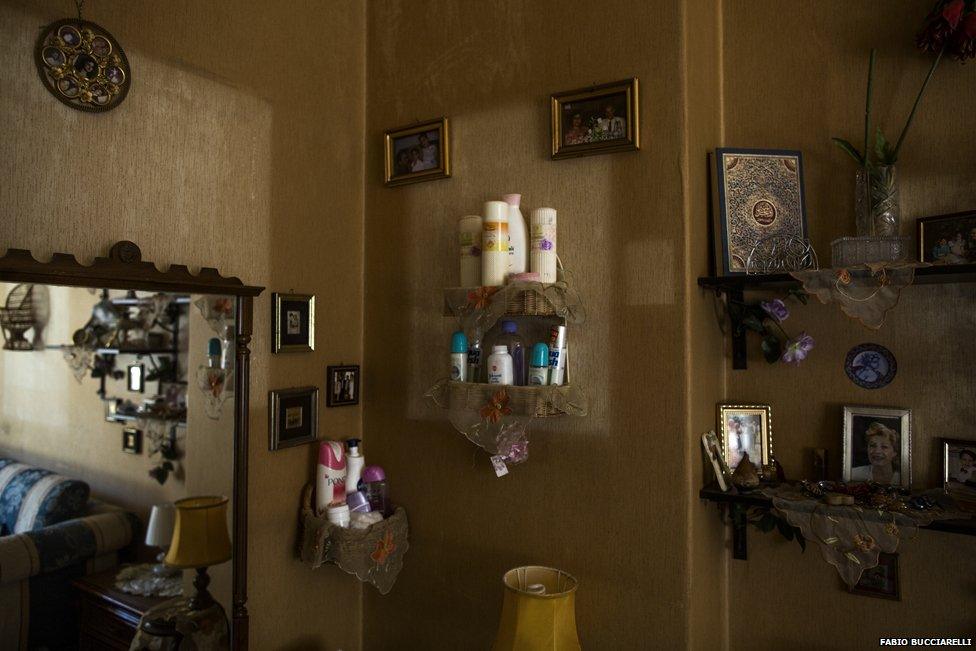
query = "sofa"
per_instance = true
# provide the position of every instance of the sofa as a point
(51, 533)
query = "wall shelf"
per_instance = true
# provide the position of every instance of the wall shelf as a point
(739, 503)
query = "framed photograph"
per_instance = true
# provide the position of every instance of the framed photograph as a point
(713, 452)
(132, 440)
(959, 470)
(420, 152)
(293, 323)
(342, 386)
(758, 194)
(877, 445)
(135, 378)
(947, 239)
(746, 429)
(294, 416)
(596, 120)
(881, 580)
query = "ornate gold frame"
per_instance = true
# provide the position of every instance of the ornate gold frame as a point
(442, 172)
(630, 87)
(277, 346)
(766, 415)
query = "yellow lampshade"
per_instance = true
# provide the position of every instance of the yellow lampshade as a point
(200, 535)
(539, 612)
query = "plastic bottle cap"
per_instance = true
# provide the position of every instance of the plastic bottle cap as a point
(496, 211)
(540, 355)
(509, 326)
(512, 199)
(459, 342)
(373, 473)
(499, 349)
(213, 346)
(357, 502)
(353, 445)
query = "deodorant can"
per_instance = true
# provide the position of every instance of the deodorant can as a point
(557, 355)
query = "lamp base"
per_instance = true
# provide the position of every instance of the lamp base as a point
(202, 599)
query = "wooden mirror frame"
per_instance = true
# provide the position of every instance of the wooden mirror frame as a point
(125, 269)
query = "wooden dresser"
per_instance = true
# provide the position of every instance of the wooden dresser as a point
(108, 618)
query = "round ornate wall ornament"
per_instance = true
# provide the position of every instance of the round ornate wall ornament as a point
(82, 65)
(870, 366)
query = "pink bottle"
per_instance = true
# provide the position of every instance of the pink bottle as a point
(330, 475)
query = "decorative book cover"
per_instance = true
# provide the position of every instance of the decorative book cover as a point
(759, 195)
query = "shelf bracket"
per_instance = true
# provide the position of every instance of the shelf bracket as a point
(739, 525)
(739, 349)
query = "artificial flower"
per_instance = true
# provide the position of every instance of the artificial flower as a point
(963, 43)
(497, 407)
(384, 548)
(480, 298)
(777, 309)
(798, 349)
(844, 276)
(863, 542)
(940, 25)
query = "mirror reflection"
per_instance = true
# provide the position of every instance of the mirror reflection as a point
(116, 465)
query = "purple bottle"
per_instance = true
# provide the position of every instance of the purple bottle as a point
(373, 483)
(511, 339)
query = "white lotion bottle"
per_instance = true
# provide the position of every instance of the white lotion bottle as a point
(542, 260)
(354, 465)
(469, 245)
(501, 370)
(518, 252)
(494, 244)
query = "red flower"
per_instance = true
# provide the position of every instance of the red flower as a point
(496, 408)
(384, 548)
(940, 25)
(480, 298)
(952, 12)
(963, 43)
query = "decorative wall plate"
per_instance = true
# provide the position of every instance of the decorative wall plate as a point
(82, 65)
(870, 366)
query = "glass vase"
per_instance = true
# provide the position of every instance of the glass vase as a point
(876, 207)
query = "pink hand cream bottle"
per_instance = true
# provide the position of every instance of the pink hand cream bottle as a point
(330, 475)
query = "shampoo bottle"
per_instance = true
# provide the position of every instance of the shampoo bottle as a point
(330, 475)
(539, 367)
(500, 366)
(518, 253)
(459, 357)
(354, 465)
(542, 260)
(494, 244)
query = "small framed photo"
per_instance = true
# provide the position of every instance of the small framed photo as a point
(877, 445)
(132, 440)
(746, 429)
(713, 452)
(342, 386)
(947, 239)
(881, 580)
(758, 194)
(596, 120)
(419, 152)
(293, 323)
(294, 416)
(959, 469)
(135, 378)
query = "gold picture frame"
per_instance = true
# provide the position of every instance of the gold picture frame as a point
(293, 323)
(582, 127)
(431, 160)
(747, 440)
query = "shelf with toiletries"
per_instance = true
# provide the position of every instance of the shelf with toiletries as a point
(348, 520)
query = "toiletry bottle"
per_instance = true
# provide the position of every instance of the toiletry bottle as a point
(511, 340)
(354, 465)
(459, 357)
(539, 368)
(330, 475)
(557, 355)
(500, 366)
(469, 242)
(338, 514)
(494, 244)
(358, 502)
(518, 253)
(474, 359)
(214, 353)
(542, 259)
(375, 487)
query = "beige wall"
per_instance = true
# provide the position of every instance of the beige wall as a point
(240, 147)
(799, 84)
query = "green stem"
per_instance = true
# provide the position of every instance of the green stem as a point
(774, 321)
(911, 116)
(867, 110)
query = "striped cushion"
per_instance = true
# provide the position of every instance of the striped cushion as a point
(32, 498)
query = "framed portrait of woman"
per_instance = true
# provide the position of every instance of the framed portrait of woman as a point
(878, 445)
(746, 429)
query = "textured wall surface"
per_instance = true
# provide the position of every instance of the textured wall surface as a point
(239, 146)
(794, 88)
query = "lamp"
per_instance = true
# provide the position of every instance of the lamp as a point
(199, 541)
(159, 533)
(539, 611)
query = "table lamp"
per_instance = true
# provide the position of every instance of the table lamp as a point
(539, 611)
(199, 541)
(159, 533)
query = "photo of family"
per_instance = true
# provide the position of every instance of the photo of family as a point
(745, 430)
(876, 445)
(596, 120)
(948, 240)
(417, 153)
(342, 386)
(959, 468)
